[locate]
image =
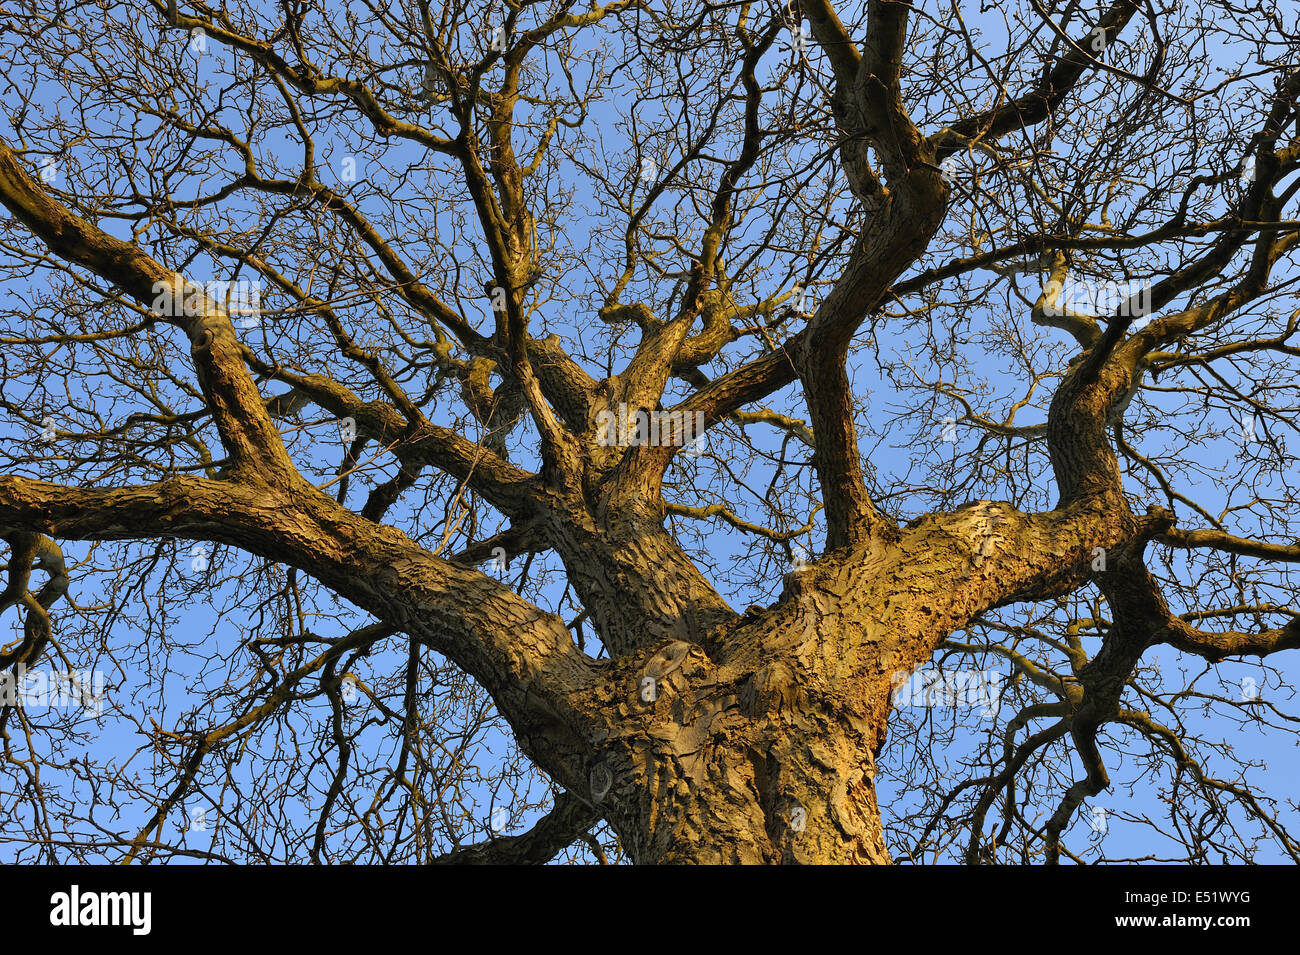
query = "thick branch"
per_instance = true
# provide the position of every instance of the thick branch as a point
(565, 823)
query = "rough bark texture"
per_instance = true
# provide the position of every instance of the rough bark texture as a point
(708, 735)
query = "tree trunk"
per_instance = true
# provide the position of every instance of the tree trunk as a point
(730, 764)
(763, 748)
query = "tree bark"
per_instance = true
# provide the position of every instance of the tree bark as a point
(763, 750)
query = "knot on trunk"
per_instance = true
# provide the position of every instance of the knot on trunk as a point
(775, 689)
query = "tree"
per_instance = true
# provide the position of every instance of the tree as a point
(397, 334)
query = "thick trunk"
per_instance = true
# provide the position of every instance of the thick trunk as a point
(771, 765)
(763, 749)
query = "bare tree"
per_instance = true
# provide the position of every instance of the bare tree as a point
(387, 383)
